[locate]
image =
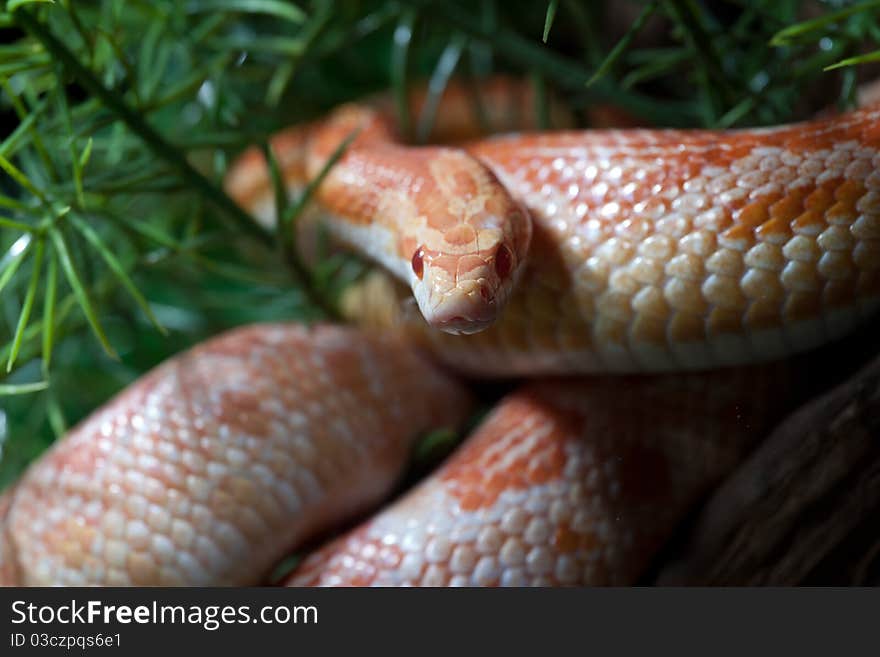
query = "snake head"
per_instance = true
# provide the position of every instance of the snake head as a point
(472, 245)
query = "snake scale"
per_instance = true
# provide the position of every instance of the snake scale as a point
(541, 254)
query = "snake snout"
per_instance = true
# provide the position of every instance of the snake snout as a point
(469, 308)
(458, 293)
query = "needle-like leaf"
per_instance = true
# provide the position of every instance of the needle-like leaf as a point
(26, 307)
(82, 295)
(552, 6)
(812, 27)
(116, 267)
(22, 388)
(403, 35)
(49, 312)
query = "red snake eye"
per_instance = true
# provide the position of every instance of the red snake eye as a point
(418, 264)
(503, 262)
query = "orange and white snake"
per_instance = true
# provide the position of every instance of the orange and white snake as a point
(530, 254)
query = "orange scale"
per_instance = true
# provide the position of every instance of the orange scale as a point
(841, 214)
(498, 482)
(738, 149)
(460, 235)
(495, 204)
(753, 215)
(775, 231)
(789, 206)
(539, 473)
(472, 500)
(490, 459)
(870, 132)
(849, 192)
(806, 140)
(442, 221)
(820, 199)
(811, 222)
(737, 237)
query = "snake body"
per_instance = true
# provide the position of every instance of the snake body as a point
(567, 482)
(207, 469)
(677, 250)
(652, 250)
(570, 252)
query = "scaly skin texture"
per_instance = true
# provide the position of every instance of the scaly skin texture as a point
(671, 250)
(210, 468)
(565, 483)
(651, 250)
(436, 217)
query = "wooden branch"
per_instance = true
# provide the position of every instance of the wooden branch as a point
(796, 500)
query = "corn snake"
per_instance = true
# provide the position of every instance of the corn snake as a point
(646, 251)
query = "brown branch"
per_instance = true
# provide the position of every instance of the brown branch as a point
(809, 486)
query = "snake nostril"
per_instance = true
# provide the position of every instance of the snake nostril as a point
(418, 262)
(503, 262)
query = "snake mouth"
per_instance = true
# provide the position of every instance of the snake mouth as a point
(464, 313)
(463, 326)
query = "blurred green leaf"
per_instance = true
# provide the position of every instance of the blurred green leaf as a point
(12, 259)
(26, 307)
(82, 295)
(624, 43)
(22, 388)
(552, 6)
(116, 267)
(443, 71)
(278, 8)
(49, 312)
(12, 5)
(403, 34)
(813, 26)
(855, 61)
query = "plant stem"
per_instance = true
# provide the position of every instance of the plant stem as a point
(164, 150)
(156, 143)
